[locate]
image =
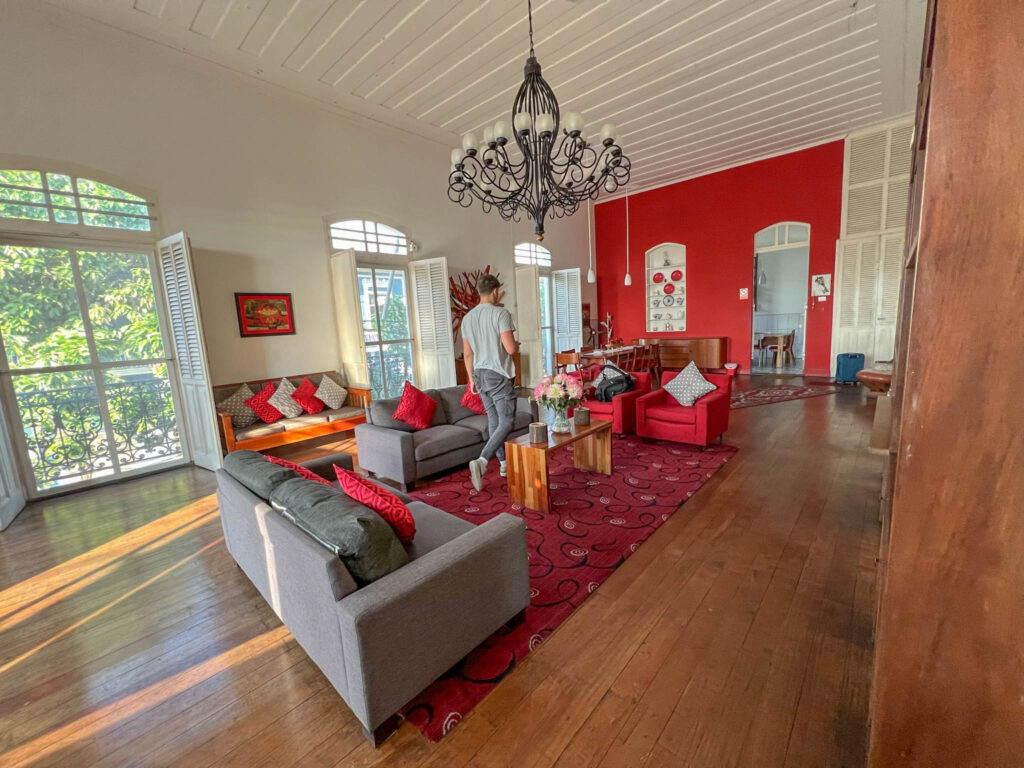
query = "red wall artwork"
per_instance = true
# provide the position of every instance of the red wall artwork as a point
(716, 217)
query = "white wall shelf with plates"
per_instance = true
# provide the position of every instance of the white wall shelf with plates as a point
(666, 288)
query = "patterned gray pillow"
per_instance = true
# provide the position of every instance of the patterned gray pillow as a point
(282, 400)
(242, 415)
(689, 386)
(332, 393)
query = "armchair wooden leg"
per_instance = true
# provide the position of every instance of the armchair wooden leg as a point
(380, 734)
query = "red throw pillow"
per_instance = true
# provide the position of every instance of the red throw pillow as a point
(304, 396)
(258, 402)
(309, 474)
(381, 501)
(416, 408)
(472, 401)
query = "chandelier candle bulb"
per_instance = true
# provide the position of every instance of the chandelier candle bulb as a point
(545, 123)
(456, 157)
(469, 143)
(608, 133)
(573, 123)
(522, 122)
(502, 130)
(488, 135)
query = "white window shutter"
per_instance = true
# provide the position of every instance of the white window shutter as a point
(185, 322)
(12, 494)
(867, 283)
(568, 309)
(433, 320)
(877, 179)
(845, 289)
(528, 323)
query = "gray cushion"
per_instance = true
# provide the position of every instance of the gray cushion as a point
(689, 385)
(433, 528)
(305, 420)
(522, 420)
(450, 397)
(331, 393)
(257, 474)
(440, 414)
(348, 412)
(476, 422)
(443, 438)
(282, 399)
(241, 414)
(362, 539)
(259, 430)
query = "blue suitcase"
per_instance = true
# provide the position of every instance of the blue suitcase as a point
(847, 365)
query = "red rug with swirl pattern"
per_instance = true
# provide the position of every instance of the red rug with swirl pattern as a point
(595, 524)
(779, 393)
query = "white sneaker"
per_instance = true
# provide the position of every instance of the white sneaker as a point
(503, 469)
(477, 468)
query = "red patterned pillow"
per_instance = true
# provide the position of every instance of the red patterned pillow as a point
(381, 501)
(305, 472)
(472, 401)
(258, 402)
(304, 396)
(416, 408)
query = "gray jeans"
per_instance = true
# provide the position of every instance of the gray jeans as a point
(499, 398)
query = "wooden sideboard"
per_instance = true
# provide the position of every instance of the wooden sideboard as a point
(678, 353)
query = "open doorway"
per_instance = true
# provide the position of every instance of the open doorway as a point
(781, 264)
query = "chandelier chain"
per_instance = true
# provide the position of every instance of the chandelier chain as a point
(529, 16)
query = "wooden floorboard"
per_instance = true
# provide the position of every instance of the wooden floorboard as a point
(739, 634)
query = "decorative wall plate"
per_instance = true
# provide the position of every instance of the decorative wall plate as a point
(669, 301)
(658, 277)
(677, 275)
(657, 302)
(669, 288)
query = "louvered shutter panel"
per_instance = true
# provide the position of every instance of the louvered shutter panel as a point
(531, 352)
(12, 495)
(846, 285)
(433, 320)
(864, 209)
(867, 283)
(867, 157)
(890, 274)
(568, 309)
(900, 150)
(186, 327)
(896, 203)
(348, 320)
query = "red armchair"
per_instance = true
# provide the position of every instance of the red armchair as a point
(621, 411)
(659, 416)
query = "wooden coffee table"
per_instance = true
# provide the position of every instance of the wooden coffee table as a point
(528, 462)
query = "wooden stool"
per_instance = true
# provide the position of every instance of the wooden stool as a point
(877, 382)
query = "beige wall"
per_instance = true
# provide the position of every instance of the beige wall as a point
(247, 170)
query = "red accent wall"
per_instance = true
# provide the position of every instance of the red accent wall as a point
(715, 217)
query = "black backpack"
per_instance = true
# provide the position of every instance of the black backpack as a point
(612, 381)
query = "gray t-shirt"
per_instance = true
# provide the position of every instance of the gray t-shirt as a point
(482, 328)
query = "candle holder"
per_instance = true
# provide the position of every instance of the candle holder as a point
(538, 432)
(582, 416)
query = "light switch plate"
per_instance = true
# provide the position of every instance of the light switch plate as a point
(744, 293)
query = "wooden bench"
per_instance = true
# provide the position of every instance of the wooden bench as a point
(358, 400)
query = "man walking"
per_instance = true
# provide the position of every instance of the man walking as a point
(488, 344)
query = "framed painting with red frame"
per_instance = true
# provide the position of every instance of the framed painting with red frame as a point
(264, 314)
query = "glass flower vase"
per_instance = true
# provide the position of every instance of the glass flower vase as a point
(561, 421)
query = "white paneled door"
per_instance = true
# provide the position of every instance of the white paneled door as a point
(531, 357)
(866, 297)
(432, 316)
(186, 331)
(568, 309)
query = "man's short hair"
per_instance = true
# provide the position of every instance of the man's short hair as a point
(488, 284)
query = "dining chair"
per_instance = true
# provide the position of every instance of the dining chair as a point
(571, 358)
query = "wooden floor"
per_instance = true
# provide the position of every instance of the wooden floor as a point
(738, 634)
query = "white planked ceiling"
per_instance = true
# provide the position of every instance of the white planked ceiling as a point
(694, 85)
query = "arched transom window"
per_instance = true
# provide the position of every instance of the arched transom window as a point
(531, 253)
(60, 198)
(369, 236)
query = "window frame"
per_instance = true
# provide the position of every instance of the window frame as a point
(380, 343)
(532, 257)
(402, 248)
(81, 230)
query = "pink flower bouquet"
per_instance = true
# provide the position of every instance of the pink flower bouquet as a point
(559, 393)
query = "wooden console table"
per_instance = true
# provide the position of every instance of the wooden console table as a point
(677, 353)
(461, 377)
(528, 462)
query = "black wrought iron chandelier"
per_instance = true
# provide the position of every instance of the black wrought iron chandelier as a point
(556, 171)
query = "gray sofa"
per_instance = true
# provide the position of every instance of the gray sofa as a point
(381, 644)
(393, 450)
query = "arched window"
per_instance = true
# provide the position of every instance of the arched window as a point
(65, 199)
(785, 234)
(369, 236)
(531, 253)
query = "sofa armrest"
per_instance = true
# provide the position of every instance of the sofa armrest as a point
(359, 396)
(525, 405)
(386, 452)
(403, 631)
(324, 465)
(227, 430)
(657, 397)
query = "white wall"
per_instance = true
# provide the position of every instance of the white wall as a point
(247, 170)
